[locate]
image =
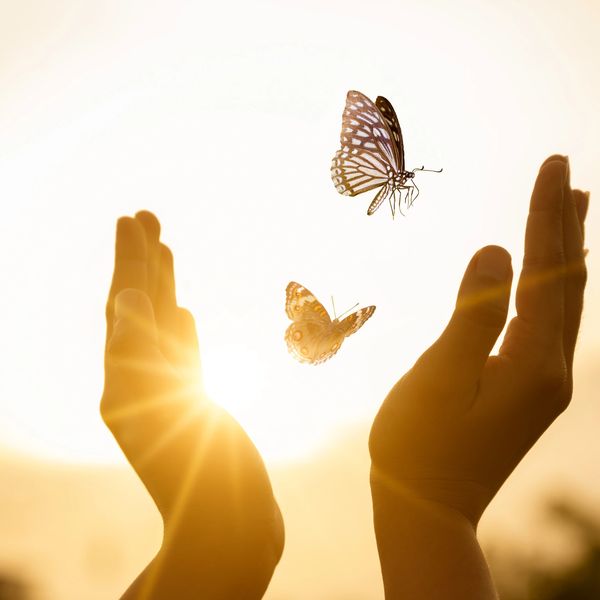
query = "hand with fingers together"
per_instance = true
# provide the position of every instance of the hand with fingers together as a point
(455, 426)
(223, 532)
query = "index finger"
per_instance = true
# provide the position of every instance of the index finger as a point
(540, 293)
(130, 264)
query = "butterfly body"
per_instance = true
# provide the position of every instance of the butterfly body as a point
(313, 337)
(372, 153)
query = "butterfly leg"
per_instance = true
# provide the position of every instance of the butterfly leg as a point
(392, 201)
(414, 197)
(406, 190)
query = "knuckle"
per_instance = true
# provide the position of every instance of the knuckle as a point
(488, 313)
(492, 315)
(551, 382)
(547, 261)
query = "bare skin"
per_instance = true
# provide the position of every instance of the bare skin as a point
(223, 531)
(454, 427)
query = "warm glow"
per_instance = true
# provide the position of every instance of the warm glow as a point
(222, 118)
(486, 110)
(98, 142)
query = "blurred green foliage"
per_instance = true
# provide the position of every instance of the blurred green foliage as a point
(519, 578)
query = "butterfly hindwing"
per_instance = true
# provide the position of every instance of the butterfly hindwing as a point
(355, 172)
(382, 194)
(309, 342)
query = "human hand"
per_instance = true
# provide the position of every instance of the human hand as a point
(223, 532)
(455, 426)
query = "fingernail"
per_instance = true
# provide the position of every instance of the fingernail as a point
(493, 263)
(555, 172)
(563, 158)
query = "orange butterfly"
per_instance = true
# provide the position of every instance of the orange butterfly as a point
(313, 337)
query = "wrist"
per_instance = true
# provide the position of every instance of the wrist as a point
(427, 550)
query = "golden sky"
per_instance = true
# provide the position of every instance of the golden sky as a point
(223, 121)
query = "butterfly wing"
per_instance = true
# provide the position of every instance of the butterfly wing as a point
(382, 194)
(313, 342)
(369, 154)
(364, 128)
(352, 323)
(389, 114)
(301, 305)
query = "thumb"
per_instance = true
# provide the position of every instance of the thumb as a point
(134, 327)
(459, 355)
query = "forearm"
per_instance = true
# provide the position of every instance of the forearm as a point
(223, 530)
(427, 551)
(192, 576)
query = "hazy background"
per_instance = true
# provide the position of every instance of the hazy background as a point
(223, 119)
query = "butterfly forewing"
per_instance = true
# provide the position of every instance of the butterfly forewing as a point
(369, 157)
(369, 154)
(301, 304)
(364, 129)
(389, 114)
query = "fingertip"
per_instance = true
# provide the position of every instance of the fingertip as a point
(485, 290)
(124, 222)
(555, 157)
(150, 223)
(166, 255)
(582, 203)
(493, 262)
(130, 239)
(187, 323)
(554, 169)
(548, 192)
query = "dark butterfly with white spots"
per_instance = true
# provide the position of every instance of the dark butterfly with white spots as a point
(372, 154)
(313, 337)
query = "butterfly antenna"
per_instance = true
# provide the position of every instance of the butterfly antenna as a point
(347, 311)
(333, 304)
(428, 170)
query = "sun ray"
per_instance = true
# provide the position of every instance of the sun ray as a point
(187, 483)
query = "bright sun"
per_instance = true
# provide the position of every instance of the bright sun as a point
(234, 378)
